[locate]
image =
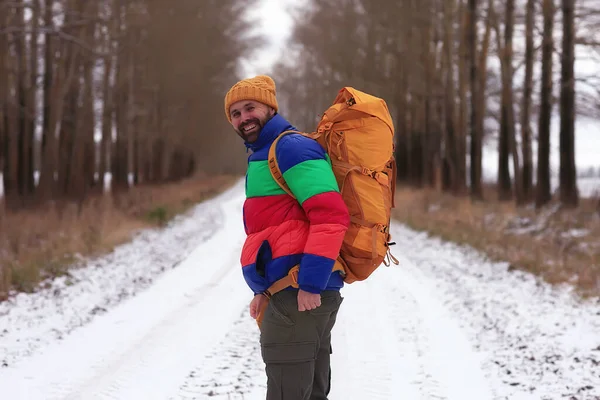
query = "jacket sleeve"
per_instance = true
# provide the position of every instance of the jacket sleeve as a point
(307, 171)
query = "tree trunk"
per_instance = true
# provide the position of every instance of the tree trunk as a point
(400, 94)
(402, 105)
(4, 97)
(26, 108)
(543, 192)
(482, 67)
(427, 62)
(48, 161)
(507, 142)
(66, 140)
(131, 108)
(11, 168)
(526, 132)
(463, 83)
(107, 120)
(29, 85)
(510, 116)
(504, 183)
(452, 157)
(569, 196)
(119, 154)
(476, 135)
(82, 156)
(63, 113)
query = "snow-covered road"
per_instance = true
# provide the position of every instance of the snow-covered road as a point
(165, 317)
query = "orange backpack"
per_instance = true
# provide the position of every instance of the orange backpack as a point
(357, 133)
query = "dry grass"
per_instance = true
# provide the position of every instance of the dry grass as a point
(45, 243)
(558, 245)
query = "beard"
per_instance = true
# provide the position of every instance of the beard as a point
(251, 136)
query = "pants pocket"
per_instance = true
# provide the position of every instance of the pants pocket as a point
(289, 352)
(330, 303)
(280, 312)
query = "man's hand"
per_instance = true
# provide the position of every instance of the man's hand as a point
(256, 305)
(308, 301)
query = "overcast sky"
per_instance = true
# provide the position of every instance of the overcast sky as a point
(272, 20)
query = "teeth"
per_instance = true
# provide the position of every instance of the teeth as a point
(249, 127)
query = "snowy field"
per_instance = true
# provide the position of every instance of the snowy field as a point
(165, 317)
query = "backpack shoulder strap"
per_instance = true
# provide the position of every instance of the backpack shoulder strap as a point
(274, 165)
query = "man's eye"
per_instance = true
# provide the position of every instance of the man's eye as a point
(250, 108)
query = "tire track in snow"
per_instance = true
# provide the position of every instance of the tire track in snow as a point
(172, 340)
(232, 370)
(412, 349)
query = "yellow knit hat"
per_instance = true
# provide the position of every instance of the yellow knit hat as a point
(261, 88)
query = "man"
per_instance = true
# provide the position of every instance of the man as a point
(282, 232)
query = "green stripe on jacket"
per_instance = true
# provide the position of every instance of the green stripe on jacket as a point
(260, 182)
(310, 178)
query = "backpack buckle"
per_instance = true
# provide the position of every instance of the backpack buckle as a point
(326, 127)
(382, 228)
(382, 178)
(293, 274)
(367, 172)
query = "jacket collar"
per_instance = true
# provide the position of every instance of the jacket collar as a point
(273, 128)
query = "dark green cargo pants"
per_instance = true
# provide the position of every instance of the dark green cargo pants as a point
(296, 346)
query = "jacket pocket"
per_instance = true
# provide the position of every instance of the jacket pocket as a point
(256, 274)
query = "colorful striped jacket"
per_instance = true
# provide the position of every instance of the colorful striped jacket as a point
(282, 231)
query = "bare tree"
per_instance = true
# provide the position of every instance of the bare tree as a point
(568, 172)
(504, 181)
(543, 194)
(12, 108)
(507, 141)
(463, 130)
(4, 94)
(452, 158)
(476, 135)
(482, 66)
(526, 132)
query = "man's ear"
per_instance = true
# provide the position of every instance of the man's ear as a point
(271, 111)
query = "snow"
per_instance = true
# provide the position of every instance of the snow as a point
(166, 317)
(575, 233)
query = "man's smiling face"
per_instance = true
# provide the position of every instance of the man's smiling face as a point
(248, 117)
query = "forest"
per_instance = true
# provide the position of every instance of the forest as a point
(130, 89)
(456, 73)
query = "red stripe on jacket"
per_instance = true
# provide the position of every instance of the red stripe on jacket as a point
(329, 220)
